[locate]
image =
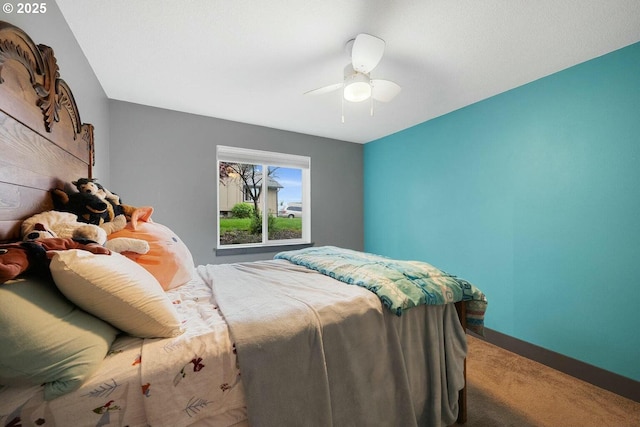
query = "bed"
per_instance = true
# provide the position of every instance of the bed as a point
(276, 342)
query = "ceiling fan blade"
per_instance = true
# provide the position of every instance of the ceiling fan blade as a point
(325, 89)
(384, 90)
(366, 52)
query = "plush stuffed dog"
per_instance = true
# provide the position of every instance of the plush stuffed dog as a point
(90, 208)
(60, 224)
(65, 225)
(91, 186)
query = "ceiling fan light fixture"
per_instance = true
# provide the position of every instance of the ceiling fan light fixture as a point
(357, 87)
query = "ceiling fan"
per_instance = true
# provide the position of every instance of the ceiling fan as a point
(366, 52)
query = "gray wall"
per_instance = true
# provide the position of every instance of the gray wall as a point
(167, 160)
(52, 30)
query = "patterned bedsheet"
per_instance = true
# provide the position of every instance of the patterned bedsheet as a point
(175, 381)
(400, 285)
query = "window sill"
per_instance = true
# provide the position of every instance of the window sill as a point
(260, 249)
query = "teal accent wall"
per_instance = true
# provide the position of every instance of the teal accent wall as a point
(534, 196)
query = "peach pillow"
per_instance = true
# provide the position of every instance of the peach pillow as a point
(168, 260)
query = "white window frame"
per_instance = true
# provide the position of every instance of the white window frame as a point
(266, 159)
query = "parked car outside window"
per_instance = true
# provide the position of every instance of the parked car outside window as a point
(290, 211)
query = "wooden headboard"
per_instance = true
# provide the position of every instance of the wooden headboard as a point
(43, 142)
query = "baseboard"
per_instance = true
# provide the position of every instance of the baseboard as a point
(599, 377)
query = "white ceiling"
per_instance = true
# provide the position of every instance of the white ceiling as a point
(252, 60)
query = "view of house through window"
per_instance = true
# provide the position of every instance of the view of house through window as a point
(262, 198)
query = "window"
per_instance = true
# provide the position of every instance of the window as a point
(247, 194)
(263, 198)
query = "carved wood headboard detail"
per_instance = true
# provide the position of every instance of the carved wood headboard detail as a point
(43, 142)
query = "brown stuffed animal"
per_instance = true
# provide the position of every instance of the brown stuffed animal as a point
(92, 209)
(13, 261)
(16, 258)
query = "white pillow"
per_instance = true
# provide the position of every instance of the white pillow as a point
(117, 290)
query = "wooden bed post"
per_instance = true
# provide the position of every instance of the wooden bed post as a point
(461, 308)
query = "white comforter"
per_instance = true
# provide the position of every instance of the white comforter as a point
(314, 351)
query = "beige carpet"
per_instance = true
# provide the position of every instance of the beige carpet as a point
(505, 389)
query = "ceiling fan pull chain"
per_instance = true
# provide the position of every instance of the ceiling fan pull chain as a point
(371, 111)
(342, 106)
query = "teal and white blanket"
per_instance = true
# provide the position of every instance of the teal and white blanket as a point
(400, 285)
